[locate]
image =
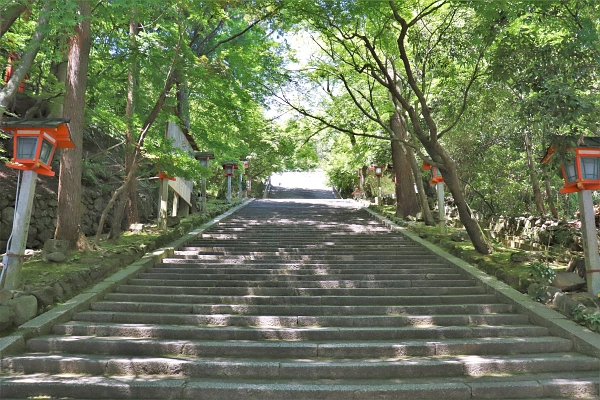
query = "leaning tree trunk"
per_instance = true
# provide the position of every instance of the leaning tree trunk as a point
(127, 199)
(12, 86)
(533, 176)
(421, 194)
(131, 208)
(406, 200)
(69, 183)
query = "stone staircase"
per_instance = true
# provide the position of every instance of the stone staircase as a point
(300, 300)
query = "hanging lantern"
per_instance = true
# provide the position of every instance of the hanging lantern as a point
(35, 141)
(378, 171)
(204, 157)
(229, 168)
(582, 171)
(436, 175)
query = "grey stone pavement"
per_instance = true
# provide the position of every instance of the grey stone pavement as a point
(300, 185)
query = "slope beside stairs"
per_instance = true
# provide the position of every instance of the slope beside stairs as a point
(302, 300)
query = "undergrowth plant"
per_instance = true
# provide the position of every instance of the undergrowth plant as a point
(541, 272)
(584, 317)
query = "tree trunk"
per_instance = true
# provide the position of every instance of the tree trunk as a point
(131, 209)
(11, 88)
(406, 200)
(549, 198)
(421, 194)
(533, 176)
(450, 174)
(10, 15)
(69, 183)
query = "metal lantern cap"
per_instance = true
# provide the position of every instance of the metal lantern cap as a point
(436, 175)
(582, 172)
(229, 167)
(204, 157)
(35, 141)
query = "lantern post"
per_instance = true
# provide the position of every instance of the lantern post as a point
(438, 180)
(204, 158)
(582, 175)
(229, 168)
(35, 141)
(246, 164)
(378, 172)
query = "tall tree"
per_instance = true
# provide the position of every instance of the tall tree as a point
(69, 184)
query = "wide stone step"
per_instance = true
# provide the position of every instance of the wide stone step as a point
(292, 321)
(316, 368)
(290, 291)
(305, 300)
(303, 268)
(409, 263)
(307, 333)
(374, 349)
(250, 276)
(295, 309)
(305, 257)
(333, 253)
(150, 280)
(546, 385)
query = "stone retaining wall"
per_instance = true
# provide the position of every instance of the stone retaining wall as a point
(43, 217)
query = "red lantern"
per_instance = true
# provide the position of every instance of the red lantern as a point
(582, 172)
(229, 168)
(378, 171)
(35, 141)
(436, 175)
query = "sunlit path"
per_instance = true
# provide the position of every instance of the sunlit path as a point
(300, 185)
(300, 299)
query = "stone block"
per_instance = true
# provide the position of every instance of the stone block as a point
(56, 245)
(44, 296)
(6, 317)
(568, 281)
(24, 308)
(56, 256)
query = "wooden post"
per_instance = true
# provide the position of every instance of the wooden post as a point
(175, 209)
(590, 241)
(162, 207)
(240, 188)
(442, 208)
(378, 200)
(203, 205)
(13, 260)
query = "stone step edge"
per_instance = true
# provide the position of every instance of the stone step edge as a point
(437, 366)
(584, 340)
(42, 324)
(535, 385)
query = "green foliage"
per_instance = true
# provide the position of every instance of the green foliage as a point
(541, 272)
(587, 317)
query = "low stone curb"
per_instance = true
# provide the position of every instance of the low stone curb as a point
(584, 340)
(42, 324)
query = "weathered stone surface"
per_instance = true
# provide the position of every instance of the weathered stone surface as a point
(519, 257)
(6, 317)
(577, 265)
(6, 295)
(58, 291)
(56, 245)
(56, 256)
(568, 281)
(24, 308)
(172, 221)
(565, 304)
(458, 236)
(44, 296)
